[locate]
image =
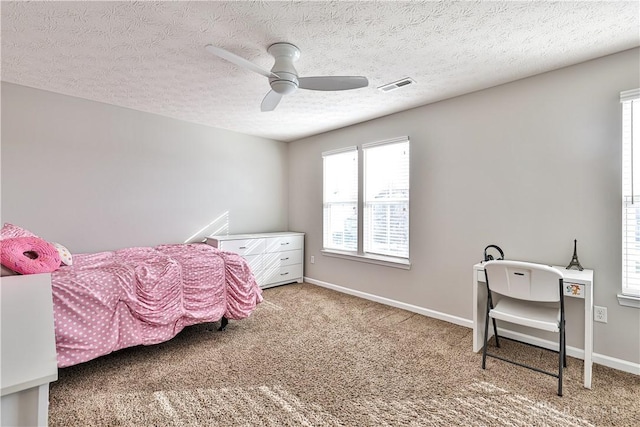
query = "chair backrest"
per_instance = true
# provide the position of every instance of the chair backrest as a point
(524, 280)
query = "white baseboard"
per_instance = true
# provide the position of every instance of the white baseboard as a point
(611, 362)
(393, 303)
(619, 364)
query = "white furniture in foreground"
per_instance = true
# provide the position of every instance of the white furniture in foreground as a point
(577, 284)
(29, 361)
(275, 258)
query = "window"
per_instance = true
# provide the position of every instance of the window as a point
(630, 192)
(366, 202)
(386, 199)
(340, 200)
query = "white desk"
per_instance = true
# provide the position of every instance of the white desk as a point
(29, 361)
(577, 284)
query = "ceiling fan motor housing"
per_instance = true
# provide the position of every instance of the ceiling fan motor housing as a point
(287, 81)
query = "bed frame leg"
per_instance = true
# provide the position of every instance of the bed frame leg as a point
(223, 323)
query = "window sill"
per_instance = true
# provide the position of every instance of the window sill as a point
(371, 259)
(629, 301)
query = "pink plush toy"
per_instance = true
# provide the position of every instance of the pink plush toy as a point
(29, 255)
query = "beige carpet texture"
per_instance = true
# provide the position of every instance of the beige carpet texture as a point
(310, 356)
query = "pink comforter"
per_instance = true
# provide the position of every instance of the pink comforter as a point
(111, 300)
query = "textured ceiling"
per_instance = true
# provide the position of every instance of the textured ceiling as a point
(150, 56)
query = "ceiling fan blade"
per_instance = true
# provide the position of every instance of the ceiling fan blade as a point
(332, 82)
(270, 101)
(238, 60)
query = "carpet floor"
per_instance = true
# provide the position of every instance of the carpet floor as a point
(310, 356)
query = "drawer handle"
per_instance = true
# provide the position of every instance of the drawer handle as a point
(284, 274)
(284, 259)
(285, 243)
(243, 247)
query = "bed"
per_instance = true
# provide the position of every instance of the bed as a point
(108, 301)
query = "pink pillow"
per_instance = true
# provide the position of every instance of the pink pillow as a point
(29, 255)
(9, 231)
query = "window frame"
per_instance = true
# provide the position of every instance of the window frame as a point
(630, 293)
(360, 255)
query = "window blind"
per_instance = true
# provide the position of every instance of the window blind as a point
(630, 192)
(386, 198)
(340, 199)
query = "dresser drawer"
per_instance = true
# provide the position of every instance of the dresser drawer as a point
(285, 273)
(280, 259)
(283, 243)
(255, 263)
(244, 246)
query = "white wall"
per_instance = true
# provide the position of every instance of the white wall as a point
(97, 177)
(529, 166)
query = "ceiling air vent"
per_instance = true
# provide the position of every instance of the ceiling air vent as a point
(396, 85)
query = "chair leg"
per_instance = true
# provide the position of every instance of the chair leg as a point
(495, 328)
(495, 332)
(561, 358)
(486, 340)
(564, 333)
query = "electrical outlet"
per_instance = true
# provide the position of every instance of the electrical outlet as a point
(600, 314)
(313, 259)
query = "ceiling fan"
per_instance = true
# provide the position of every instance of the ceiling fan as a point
(283, 77)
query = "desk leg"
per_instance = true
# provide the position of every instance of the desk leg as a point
(43, 405)
(588, 335)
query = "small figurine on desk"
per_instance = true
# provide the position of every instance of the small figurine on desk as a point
(574, 261)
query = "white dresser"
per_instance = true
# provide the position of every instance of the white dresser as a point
(274, 258)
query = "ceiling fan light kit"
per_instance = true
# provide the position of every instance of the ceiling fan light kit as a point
(283, 77)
